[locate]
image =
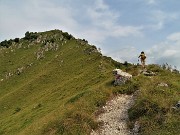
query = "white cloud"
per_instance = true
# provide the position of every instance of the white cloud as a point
(159, 18)
(105, 21)
(101, 5)
(123, 31)
(129, 54)
(167, 51)
(174, 37)
(151, 1)
(100, 21)
(35, 16)
(163, 52)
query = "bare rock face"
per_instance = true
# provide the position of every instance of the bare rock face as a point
(115, 116)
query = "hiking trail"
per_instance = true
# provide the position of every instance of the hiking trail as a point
(115, 116)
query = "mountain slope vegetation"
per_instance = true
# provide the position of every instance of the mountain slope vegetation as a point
(52, 83)
(156, 107)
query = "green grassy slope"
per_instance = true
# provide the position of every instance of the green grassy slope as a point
(154, 106)
(60, 92)
(55, 94)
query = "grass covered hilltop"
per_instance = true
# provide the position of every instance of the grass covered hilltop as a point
(52, 84)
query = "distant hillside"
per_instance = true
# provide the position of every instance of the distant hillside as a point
(52, 83)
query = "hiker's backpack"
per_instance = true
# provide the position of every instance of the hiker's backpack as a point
(143, 56)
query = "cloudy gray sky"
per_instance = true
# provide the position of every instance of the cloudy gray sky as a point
(121, 28)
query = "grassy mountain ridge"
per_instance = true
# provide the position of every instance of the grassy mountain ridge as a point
(46, 76)
(52, 83)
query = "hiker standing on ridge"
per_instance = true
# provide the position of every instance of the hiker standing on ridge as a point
(142, 56)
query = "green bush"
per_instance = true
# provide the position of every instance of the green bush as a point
(30, 35)
(67, 36)
(16, 40)
(6, 43)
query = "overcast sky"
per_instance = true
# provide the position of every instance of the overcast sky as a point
(121, 28)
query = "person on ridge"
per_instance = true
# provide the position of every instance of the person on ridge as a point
(142, 56)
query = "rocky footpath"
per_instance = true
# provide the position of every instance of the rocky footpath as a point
(115, 116)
